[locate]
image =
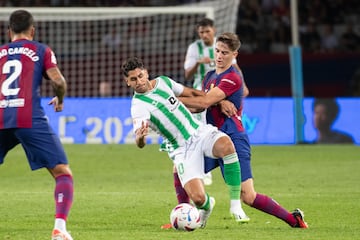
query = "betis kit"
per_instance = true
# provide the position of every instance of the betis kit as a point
(189, 140)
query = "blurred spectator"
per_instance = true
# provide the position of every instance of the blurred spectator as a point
(355, 84)
(280, 36)
(310, 39)
(105, 89)
(112, 40)
(316, 10)
(282, 11)
(248, 21)
(268, 5)
(329, 41)
(58, 3)
(349, 40)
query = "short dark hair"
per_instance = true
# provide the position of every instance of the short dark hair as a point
(20, 21)
(205, 22)
(332, 107)
(131, 64)
(230, 39)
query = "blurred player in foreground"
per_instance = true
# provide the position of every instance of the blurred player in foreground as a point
(22, 119)
(224, 85)
(155, 105)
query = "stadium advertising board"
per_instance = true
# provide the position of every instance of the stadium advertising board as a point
(267, 120)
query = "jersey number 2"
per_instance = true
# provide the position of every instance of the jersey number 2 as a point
(17, 68)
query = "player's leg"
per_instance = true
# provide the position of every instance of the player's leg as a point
(248, 194)
(200, 198)
(63, 195)
(190, 168)
(44, 150)
(181, 195)
(219, 145)
(268, 205)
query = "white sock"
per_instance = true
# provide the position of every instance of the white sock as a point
(60, 224)
(235, 207)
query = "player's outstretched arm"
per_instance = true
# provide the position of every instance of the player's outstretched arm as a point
(189, 93)
(214, 96)
(59, 85)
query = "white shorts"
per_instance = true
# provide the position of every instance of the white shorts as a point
(189, 158)
(201, 116)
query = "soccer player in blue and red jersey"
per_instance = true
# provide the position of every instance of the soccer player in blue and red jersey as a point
(224, 85)
(23, 63)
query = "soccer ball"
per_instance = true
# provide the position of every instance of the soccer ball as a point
(185, 217)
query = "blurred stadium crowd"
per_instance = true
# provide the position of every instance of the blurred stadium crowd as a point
(329, 37)
(263, 25)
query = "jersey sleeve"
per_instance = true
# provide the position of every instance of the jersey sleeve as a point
(177, 88)
(230, 83)
(191, 56)
(49, 59)
(138, 115)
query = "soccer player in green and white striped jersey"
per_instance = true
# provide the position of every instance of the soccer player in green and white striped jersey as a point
(155, 105)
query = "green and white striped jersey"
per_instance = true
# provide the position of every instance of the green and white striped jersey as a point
(165, 113)
(195, 51)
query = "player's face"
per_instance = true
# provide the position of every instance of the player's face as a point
(321, 119)
(223, 56)
(206, 34)
(138, 79)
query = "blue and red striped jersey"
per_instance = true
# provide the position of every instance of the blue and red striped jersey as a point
(23, 64)
(231, 83)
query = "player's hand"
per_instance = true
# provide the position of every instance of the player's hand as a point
(143, 130)
(140, 134)
(228, 108)
(58, 107)
(204, 60)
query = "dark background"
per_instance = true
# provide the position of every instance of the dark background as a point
(264, 29)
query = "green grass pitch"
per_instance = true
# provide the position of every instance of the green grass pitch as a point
(122, 192)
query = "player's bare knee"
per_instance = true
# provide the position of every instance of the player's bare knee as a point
(223, 147)
(248, 198)
(198, 199)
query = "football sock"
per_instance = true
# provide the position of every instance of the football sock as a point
(60, 224)
(232, 175)
(181, 194)
(270, 206)
(235, 205)
(206, 205)
(63, 195)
